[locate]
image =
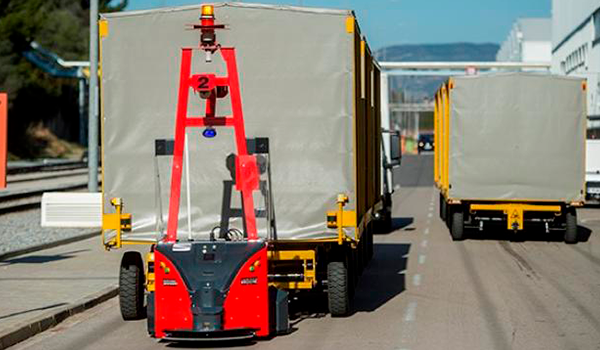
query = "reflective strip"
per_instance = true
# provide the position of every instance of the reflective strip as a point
(350, 24)
(103, 28)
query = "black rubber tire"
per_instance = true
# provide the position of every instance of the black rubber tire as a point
(442, 208)
(338, 286)
(571, 226)
(457, 227)
(150, 314)
(360, 257)
(131, 287)
(370, 247)
(389, 222)
(353, 272)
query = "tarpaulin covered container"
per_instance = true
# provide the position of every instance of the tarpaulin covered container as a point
(304, 85)
(511, 136)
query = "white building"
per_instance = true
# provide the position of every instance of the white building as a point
(530, 40)
(576, 48)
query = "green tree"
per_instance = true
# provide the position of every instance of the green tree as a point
(61, 26)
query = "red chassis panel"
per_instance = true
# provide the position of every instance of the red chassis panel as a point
(173, 307)
(246, 304)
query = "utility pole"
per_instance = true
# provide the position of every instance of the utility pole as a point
(93, 101)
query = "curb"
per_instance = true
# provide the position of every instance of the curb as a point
(41, 323)
(43, 246)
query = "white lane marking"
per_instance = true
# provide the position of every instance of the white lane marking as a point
(416, 280)
(424, 243)
(429, 215)
(397, 187)
(422, 258)
(426, 231)
(411, 312)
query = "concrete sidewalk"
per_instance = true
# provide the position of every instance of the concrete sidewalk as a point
(59, 281)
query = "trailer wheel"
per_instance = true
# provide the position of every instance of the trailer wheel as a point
(131, 286)
(360, 256)
(442, 208)
(370, 243)
(457, 226)
(338, 285)
(571, 226)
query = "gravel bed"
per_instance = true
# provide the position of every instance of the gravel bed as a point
(22, 230)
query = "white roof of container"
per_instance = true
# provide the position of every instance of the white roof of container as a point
(327, 11)
(535, 29)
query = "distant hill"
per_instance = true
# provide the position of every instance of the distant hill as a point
(417, 88)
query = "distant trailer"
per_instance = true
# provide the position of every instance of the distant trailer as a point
(510, 150)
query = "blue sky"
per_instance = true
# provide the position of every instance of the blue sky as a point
(389, 22)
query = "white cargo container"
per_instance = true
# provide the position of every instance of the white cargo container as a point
(592, 171)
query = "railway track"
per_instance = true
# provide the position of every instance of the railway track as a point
(43, 166)
(26, 183)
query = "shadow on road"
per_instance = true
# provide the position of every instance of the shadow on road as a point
(400, 223)
(397, 224)
(42, 259)
(31, 310)
(210, 344)
(384, 278)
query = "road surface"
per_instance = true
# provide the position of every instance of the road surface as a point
(423, 291)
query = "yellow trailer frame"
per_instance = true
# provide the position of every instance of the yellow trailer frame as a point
(515, 211)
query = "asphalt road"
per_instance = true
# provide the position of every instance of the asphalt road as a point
(423, 291)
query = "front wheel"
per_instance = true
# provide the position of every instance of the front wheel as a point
(571, 226)
(457, 226)
(338, 285)
(442, 208)
(131, 287)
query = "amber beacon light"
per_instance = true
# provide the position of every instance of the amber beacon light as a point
(208, 11)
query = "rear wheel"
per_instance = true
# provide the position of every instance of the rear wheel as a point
(150, 313)
(131, 286)
(338, 285)
(370, 243)
(571, 226)
(457, 226)
(442, 208)
(360, 256)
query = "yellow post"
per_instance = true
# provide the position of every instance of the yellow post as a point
(447, 137)
(435, 139)
(443, 102)
(117, 222)
(342, 199)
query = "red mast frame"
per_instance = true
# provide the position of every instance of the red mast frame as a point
(212, 87)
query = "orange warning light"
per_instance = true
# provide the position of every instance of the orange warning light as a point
(208, 11)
